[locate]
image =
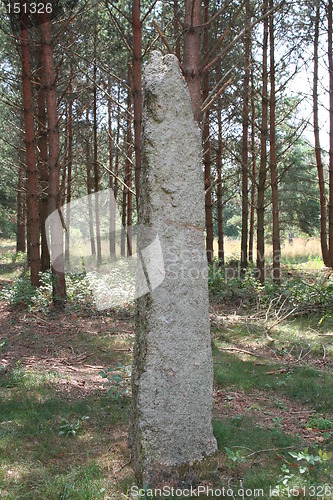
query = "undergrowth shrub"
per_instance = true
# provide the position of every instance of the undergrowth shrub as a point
(22, 293)
(227, 284)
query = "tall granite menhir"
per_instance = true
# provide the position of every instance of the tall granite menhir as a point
(173, 371)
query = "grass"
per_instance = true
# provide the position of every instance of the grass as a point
(301, 251)
(305, 384)
(11, 263)
(268, 400)
(38, 462)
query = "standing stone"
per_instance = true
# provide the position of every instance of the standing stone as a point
(173, 371)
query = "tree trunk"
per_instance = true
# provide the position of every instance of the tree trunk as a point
(176, 28)
(263, 152)
(254, 171)
(112, 207)
(330, 168)
(42, 164)
(58, 282)
(272, 155)
(137, 90)
(192, 42)
(319, 163)
(20, 227)
(90, 188)
(219, 188)
(116, 163)
(123, 223)
(96, 167)
(32, 180)
(245, 152)
(116, 166)
(206, 150)
(128, 181)
(127, 195)
(69, 169)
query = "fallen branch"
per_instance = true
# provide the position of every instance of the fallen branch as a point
(124, 465)
(275, 372)
(302, 411)
(41, 319)
(280, 319)
(268, 450)
(324, 356)
(300, 357)
(71, 368)
(239, 350)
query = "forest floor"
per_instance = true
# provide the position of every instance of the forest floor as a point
(63, 427)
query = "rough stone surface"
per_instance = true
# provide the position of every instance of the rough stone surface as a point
(173, 371)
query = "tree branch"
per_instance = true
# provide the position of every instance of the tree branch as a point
(118, 10)
(122, 34)
(208, 66)
(149, 11)
(166, 43)
(208, 105)
(220, 40)
(218, 13)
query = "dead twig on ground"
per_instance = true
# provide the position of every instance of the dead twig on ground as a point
(324, 356)
(268, 450)
(125, 464)
(239, 350)
(276, 372)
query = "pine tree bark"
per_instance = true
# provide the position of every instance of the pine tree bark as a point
(116, 161)
(330, 167)
(90, 188)
(319, 163)
(112, 211)
(58, 282)
(32, 180)
(219, 187)
(42, 164)
(192, 43)
(254, 171)
(176, 28)
(123, 223)
(263, 157)
(137, 89)
(272, 154)
(207, 149)
(69, 169)
(128, 182)
(20, 220)
(245, 148)
(126, 229)
(96, 166)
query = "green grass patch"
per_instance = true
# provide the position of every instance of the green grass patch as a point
(242, 431)
(11, 263)
(81, 482)
(39, 456)
(22, 377)
(307, 385)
